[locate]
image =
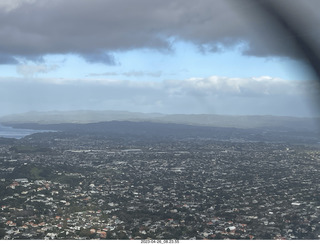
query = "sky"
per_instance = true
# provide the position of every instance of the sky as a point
(168, 56)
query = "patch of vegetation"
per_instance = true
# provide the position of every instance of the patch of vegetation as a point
(70, 180)
(29, 149)
(32, 172)
(7, 141)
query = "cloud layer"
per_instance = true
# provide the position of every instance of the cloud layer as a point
(96, 28)
(221, 95)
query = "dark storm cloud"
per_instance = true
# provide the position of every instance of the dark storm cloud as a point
(7, 59)
(96, 28)
(101, 57)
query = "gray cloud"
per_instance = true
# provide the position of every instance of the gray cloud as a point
(96, 28)
(8, 59)
(100, 57)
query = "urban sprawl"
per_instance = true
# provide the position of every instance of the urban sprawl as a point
(82, 187)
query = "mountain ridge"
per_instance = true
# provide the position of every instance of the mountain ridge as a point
(213, 120)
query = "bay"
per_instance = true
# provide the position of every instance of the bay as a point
(9, 132)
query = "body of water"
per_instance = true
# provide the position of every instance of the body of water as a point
(9, 132)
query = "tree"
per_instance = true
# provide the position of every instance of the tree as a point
(2, 233)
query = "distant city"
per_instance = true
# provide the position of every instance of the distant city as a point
(139, 179)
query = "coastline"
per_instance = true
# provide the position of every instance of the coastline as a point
(10, 132)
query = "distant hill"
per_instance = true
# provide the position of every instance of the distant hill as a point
(243, 122)
(224, 121)
(78, 117)
(152, 131)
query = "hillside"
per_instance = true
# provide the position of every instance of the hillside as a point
(226, 121)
